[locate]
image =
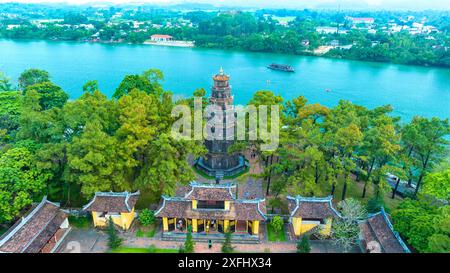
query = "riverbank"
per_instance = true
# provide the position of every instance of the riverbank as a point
(320, 52)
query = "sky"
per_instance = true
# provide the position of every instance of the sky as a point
(361, 4)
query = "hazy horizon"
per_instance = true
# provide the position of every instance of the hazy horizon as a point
(292, 4)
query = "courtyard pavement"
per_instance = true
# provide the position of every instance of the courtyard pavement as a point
(95, 241)
(88, 240)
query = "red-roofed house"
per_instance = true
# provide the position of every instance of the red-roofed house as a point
(161, 38)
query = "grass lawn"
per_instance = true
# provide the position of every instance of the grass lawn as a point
(146, 231)
(354, 190)
(275, 236)
(150, 249)
(80, 221)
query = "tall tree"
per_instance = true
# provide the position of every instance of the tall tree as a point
(21, 182)
(33, 76)
(148, 81)
(50, 95)
(430, 145)
(345, 230)
(5, 83)
(437, 184)
(380, 146)
(90, 158)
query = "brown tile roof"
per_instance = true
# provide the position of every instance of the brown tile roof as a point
(33, 232)
(112, 202)
(311, 207)
(214, 192)
(239, 210)
(378, 228)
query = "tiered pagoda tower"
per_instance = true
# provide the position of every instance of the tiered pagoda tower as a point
(218, 163)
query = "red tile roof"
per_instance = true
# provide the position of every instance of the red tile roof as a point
(31, 233)
(240, 209)
(311, 207)
(113, 202)
(161, 36)
(378, 228)
(206, 192)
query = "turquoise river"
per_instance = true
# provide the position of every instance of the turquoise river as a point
(411, 90)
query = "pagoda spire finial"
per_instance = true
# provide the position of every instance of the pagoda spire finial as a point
(221, 71)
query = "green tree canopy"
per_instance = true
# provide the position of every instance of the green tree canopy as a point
(33, 76)
(50, 95)
(21, 182)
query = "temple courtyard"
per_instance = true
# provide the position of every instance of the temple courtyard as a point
(91, 240)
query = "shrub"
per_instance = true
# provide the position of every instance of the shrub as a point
(277, 223)
(226, 246)
(189, 244)
(303, 245)
(374, 205)
(114, 241)
(146, 217)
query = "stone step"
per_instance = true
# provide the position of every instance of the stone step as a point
(214, 239)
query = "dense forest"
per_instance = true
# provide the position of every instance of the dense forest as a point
(69, 149)
(258, 31)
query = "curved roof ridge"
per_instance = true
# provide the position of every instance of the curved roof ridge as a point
(125, 194)
(23, 221)
(327, 199)
(396, 234)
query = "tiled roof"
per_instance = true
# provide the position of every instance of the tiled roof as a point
(378, 228)
(311, 207)
(112, 202)
(33, 232)
(215, 192)
(240, 209)
(161, 36)
(172, 207)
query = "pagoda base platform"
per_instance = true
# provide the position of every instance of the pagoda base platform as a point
(222, 173)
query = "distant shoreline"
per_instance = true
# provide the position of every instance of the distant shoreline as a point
(307, 54)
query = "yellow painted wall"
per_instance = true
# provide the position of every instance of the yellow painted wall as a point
(227, 205)
(306, 227)
(226, 224)
(301, 227)
(297, 224)
(98, 222)
(255, 227)
(194, 204)
(124, 220)
(127, 219)
(194, 225)
(165, 224)
(327, 229)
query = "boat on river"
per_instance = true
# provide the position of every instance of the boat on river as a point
(281, 67)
